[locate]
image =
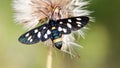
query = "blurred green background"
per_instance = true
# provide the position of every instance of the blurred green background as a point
(101, 46)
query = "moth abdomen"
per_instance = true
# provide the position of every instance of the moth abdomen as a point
(58, 43)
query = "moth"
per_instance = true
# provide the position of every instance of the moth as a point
(54, 30)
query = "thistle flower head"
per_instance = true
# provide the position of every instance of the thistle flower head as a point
(31, 12)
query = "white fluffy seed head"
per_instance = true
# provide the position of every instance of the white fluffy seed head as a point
(31, 12)
(69, 43)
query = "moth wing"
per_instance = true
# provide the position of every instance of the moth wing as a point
(35, 35)
(74, 23)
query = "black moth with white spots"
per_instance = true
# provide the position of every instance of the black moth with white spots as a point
(54, 30)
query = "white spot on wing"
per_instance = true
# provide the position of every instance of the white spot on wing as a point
(36, 30)
(69, 25)
(48, 32)
(64, 30)
(79, 25)
(69, 20)
(78, 19)
(61, 22)
(38, 35)
(27, 34)
(78, 22)
(59, 28)
(45, 36)
(44, 27)
(29, 38)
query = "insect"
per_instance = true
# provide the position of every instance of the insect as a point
(54, 30)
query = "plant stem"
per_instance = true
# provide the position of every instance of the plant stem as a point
(49, 58)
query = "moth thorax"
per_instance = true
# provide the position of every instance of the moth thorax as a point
(52, 23)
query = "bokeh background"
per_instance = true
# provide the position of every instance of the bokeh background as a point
(101, 46)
